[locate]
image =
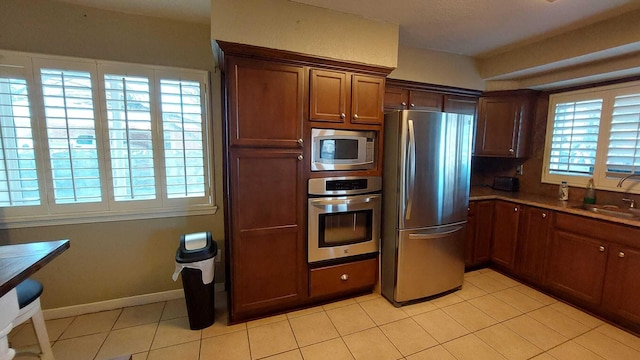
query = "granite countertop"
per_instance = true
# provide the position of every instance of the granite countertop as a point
(571, 207)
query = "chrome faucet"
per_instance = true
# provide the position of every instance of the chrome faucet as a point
(632, 203)
(625, 178)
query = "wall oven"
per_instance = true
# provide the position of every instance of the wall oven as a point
(344, 217)
(333, 149)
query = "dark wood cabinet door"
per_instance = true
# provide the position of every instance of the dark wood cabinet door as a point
(497, 127)
(396, 98)
(424, 100)
(484, 232)
(267, 251)
(460, 104)
(576, 266)
(266, 103)
(367, 95)
(505, 234)
(532, 244)
(622, 289)
(330, 95)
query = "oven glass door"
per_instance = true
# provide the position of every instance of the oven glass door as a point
(345, 228)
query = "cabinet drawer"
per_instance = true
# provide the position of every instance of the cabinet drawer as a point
(343, 278)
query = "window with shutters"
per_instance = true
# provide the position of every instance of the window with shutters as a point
(85, 140)
(594, 133)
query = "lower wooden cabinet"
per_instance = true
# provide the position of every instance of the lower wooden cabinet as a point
(532, 243)
(479, 232)
(505, 234)
(343, 278)
(621, 294)
(576, 266)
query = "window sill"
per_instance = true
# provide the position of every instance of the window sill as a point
(87, 218)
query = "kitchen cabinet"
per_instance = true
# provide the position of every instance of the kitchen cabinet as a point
(577, 258)
(266, 103)
(267, 248)
(408, 95)
(532, 243)
(479, 233)
(506, 219)
(265, 187)
(345, 97)
(621, 295)
(504, 124)
(342, 278)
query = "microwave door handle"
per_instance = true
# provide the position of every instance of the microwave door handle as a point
(411, 168)
(435, 235)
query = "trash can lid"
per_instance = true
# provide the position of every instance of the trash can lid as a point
(196, 247)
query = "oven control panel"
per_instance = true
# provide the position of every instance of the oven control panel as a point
(347, 185)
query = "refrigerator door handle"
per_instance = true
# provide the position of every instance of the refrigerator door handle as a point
(411, 167)
(434, 236)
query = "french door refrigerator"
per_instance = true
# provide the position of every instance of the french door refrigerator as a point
(427, 161)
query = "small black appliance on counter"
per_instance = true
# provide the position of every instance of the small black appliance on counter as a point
(506, 183)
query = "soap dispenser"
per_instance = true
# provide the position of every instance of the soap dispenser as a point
(590, 194)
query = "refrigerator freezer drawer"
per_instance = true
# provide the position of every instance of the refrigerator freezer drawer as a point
(430, 261)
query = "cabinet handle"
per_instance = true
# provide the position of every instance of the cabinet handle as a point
(344, 277)
(544, 215)
(511, 151)
(355, 116)
(300, 141)
(300, 157)
(515, 209)
(601, 248)
(342, 116)
(412, 105)
(620, 254)
(403, 103)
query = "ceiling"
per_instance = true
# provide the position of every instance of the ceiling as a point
(474, 28)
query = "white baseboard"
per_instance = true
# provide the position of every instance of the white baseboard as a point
(81, 309)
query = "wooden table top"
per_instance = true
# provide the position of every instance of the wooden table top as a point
(18, 262)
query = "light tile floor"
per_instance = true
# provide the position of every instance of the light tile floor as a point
(492, 317)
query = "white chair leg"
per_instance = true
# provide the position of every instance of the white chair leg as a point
(37, 320)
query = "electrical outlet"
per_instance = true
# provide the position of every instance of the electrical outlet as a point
(520, 169)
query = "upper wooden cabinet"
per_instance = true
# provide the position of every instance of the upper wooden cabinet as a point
(266, 103)
(403, 95)
(504, 121)
(344, 97)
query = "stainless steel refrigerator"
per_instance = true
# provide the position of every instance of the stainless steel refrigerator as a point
(427, 162)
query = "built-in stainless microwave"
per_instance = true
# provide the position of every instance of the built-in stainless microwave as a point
(333, 149)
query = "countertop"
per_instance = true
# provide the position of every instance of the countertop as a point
(571, 207)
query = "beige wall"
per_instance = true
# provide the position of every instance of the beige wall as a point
(286, 25)
(434, 67)
(127, 258)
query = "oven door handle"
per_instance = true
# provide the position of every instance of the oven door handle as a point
(360, 200)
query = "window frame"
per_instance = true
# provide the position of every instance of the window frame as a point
(29, 66)
(601, 180)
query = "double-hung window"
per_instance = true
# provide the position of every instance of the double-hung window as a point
(85, 140)
(594, 133)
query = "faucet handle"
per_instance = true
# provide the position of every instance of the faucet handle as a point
(632, 203)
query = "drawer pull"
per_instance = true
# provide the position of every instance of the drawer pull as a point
(620, 254)
(601, 248)
(344, 277)
(544, 215)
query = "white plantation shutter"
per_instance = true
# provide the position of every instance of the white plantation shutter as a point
(574, 140)
(183, 127)
(130, 137)
(623, 157)
(18, 171)
(71, 131)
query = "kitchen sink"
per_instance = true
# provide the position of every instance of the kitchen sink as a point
(611, 210)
